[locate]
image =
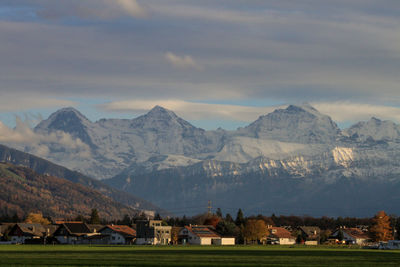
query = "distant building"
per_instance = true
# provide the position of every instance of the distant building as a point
(352, 235)
(72, 233)
(22, 233)
(119, 234)
(152, 232)
(203, 235)
(280, 236)
(310, 234)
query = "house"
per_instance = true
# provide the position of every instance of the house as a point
(152, 232)
(310, 234)
(22, 233)
(5, 229)
(119, 234)
(203, 235)
(95, 228)
(352, 235)
(280, 236)
(73, 233)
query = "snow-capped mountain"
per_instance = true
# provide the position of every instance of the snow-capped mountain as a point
(163, 158)
(374, 130)
(117, 143)
(299, 124)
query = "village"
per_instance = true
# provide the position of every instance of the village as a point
(214, 230)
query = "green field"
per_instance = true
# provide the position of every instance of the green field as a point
(194, 256)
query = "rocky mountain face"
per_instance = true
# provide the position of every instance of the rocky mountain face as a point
(294, 160)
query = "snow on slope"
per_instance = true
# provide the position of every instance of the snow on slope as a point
(243, 149)
(374, 129)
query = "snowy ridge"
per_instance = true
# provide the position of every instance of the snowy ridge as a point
(296, 141)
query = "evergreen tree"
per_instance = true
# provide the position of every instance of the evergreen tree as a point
(126, 220)
(157, 216)
(219, 213)
(239, 218)
(15, 218)
(94, 217)
(228, 218)
(340, 235)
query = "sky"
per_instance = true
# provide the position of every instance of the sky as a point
(215, 63)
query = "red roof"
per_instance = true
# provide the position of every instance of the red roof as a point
(202, 231)
(279, 232)
(355, 233)
(123, 229)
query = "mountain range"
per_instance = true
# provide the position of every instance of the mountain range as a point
(292, 161)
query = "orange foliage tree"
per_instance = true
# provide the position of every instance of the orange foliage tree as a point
(36, 218)
(212, 220)
(254, 230)
(381, 229)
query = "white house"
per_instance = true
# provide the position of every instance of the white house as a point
(20, 233)
(280, 236)
(73, 233)
(352, 235)
(119, 234)
(203, 235)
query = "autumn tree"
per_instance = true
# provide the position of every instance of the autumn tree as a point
(254, 230)
(36, 218)
(212, 220)
(175, 234)
(94, 217)
(381, 229)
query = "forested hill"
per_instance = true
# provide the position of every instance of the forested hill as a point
(43, 166)
(24, 191)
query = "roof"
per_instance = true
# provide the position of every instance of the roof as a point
(31, 229)
(5, 228)
(310, 230)
(75, 228)
(95, 228)
(355, 233)
(63, 221)
(202, 231)
(279, 232)
(122, 229)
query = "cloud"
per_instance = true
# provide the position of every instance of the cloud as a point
(24, 138)
(89, 9)
(183, 62)
(282, 51)
(345, 111)
(191, 110)
(19, 102)
(340, 112)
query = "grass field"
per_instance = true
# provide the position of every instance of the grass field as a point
(194, 256)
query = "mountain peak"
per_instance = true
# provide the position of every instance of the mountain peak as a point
(68, 112)
(296, 123)
(302, 108)
(159, 117)
(68, 120)
(374, 129)
(160, 111)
